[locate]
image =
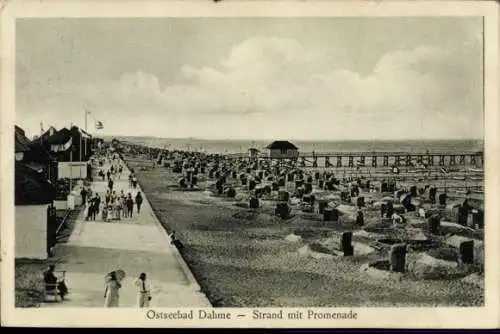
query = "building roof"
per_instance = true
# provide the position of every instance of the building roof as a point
(282, 145)
(31, 186)
(44, 136)
(21, 141)
(38, 153)
(61, 137)
(80, 131)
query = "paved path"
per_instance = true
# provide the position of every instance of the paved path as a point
(137, 244)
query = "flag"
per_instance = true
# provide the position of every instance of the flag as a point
(99, 125)
(443, 170)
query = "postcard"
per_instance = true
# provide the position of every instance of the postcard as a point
(250, 164)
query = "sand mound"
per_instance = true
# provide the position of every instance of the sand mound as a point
(242, 205)
(379, 227)
(456, 240)
(321, 248)
(424, 266)
(293, 238)
(445, 254)
(420, 236)
(380, 269)
(309, 232)
(304, 251)
(362, 249)
(474, 279)
(456, 229)
(317, 255)
(446, 260)
(307, 251)
(246, 215)
(370, 235)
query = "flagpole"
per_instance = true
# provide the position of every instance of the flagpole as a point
(445, 179)
(41, 133)
(70, 164)
(465, 181)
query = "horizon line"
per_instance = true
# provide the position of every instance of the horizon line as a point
(296, 139)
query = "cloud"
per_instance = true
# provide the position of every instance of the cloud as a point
(300, 92)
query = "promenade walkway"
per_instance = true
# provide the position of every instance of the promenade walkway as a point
(137, 244)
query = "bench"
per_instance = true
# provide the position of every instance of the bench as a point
(51, 291)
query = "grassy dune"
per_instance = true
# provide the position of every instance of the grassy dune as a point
(29, 282)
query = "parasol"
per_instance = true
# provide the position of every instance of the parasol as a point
(120, 275)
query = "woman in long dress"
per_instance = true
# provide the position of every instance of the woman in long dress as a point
(111, 295)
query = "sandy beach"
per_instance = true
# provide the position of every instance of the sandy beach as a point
(242, 258)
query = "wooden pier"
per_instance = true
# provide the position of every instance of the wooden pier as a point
(382, 159)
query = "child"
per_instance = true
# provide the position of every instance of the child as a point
(105, 213)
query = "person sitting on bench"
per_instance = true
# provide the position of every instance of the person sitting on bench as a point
(174, 241)
(53, 285)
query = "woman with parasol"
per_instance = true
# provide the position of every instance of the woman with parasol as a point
(113, 285)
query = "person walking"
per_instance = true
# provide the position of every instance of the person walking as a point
(97, 206)
(92, 208)
(123, 202)
(143, 291)
(89, 208)
(130, 205)
(107, 197)
(118, 208)
(98, 203)
(110, 184)
(111, 293)
(138, 201)
(84, 193)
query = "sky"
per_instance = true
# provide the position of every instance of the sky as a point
(253, 78)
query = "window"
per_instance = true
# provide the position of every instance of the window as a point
(283, 151)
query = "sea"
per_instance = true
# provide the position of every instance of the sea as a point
(242, 146)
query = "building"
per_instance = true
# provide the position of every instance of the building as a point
(34, 155)
(282, 149)
(97, 143)
(253, 152)
(33, 194)
(60, 143)
(82, 143)
(71, 148)
(21, 143)
(39, 156)
(67, 144)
